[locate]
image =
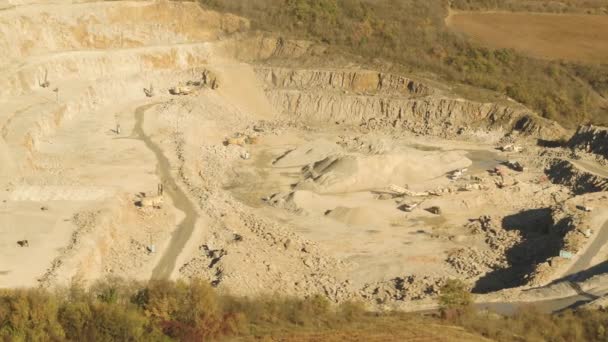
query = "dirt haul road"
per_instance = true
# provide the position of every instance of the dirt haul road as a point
(70, 171)
(183, 232)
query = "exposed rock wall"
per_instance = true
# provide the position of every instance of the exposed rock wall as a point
(433, 115)
(379, 100)
(580, 181)
(592, 139)
(358, 81)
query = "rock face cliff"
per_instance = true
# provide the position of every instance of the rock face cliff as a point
(360, 81)
(592, 139)
(580, 181)
(378, 100)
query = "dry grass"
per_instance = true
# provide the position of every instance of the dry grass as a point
(582, 38)
(415, 332)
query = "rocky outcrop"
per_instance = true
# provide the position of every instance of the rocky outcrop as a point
(376, 100)
(591, 139)
(571, 226)
(561, 171)
(403, 289)
(439, 116)
(357, 81)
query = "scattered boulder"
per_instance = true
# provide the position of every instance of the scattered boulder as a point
(515, 165)
(241, 140)
(434, 210)
(511, 148)
(456, 174)
(584, 208)
(411, 287)
(246, 155)
(472, 262)
(409, 207)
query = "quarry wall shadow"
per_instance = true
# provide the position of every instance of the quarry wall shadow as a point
(538, 244)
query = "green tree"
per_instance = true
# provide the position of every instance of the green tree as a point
(455, 299)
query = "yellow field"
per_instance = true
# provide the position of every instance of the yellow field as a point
(551, 36)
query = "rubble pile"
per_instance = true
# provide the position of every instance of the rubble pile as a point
(565, 172)
(498, 239)
(405, 288)
(472, 262)
(591, 139)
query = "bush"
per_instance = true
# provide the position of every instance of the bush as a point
(29, 315)
(455, 299)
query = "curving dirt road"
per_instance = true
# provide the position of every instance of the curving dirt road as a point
(182, 233)
(591, 167)
(584, 260)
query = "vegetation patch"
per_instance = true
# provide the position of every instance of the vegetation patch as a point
(582, 38)
(117, 310)
(412, 36)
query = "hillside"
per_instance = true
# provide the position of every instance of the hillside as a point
(411, 36)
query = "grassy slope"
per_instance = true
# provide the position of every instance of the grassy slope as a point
(412, 34)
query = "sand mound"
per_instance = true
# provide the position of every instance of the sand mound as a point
(339, 174)
(359, 216)
(308, 153)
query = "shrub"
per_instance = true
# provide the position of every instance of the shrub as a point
(29, 315)
(455, 299)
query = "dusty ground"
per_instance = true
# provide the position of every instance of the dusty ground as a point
(576, 37)
(275, 179)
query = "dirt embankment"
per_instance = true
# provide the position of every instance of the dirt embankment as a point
(591, 139)
(377, 100)
(576, 176)
(353, 81)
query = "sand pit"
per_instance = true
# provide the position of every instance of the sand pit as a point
(341, 200)
(249, 187)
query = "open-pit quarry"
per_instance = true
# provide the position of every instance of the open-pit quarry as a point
(159, 140)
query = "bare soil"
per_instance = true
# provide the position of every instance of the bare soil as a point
(575, 37)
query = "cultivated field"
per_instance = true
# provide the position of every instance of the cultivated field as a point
(582, 38)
